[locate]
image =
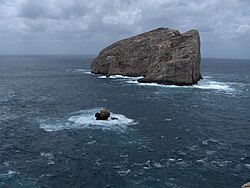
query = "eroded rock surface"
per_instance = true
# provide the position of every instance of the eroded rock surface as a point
(104, 114)
(162, 56)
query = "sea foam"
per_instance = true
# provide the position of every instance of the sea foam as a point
(120, 77)
(7, 175)
(206, 83)
(85, 71)
(86, 119)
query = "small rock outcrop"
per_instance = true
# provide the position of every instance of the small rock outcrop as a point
(163, 56)
(104, 114)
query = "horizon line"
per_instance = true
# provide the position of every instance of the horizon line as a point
(203, 57)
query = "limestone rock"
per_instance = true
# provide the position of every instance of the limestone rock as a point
(104, 114)
(162, 56)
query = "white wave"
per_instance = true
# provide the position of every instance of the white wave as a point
(206, 83)
(211, 141)
(155, 84)
(171, 159)
(86, 119)
(248, 166)
(86, 71)
(130, 78)
(157, 165)
(9, 174)
(103, 77)
(168, 119)
(210, 84)
(220, 163)
(123, 172)
(209, 152)
(49, 157)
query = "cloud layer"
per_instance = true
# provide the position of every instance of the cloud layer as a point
(85, 27)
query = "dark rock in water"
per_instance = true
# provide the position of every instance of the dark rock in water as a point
(104, 114)
(98, 116)
(162, 56)
(114, 118)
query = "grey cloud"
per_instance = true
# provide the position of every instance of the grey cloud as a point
(88, 26)
(32, 9)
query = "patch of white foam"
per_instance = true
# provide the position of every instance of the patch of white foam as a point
(49, 157)
(168, 119)
(208, 152)
(86, 119)
(127, 78)
(123, 172)
(206, 83)
(171, 160)
(9, 174)
(157, 165)
(210, 84)
(103, 77)
(248, 166)
(85, 71)
(211, 141)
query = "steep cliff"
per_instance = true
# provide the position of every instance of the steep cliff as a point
(162, 56)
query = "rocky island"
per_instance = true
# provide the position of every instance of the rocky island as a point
(163, 56)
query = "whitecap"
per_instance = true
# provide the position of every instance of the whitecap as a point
(123, 172)
(168, 119)
(85, 71)
(171, 159)
(193, 147)
(86, 119)
(219, 163)
(202, 84)
(201, 160)
(91, 142)
(9, 174)
(211, 141)
(7, 163)
(248, 166)
(206, 83)
(208, 152)
(210, 84)
(170, 184)
(158, 165)
(118, 76)
(47, 155)
(103, 77)
(51, 163)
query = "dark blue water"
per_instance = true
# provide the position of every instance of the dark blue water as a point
(165, 136)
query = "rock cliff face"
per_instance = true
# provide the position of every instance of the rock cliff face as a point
(162, 56)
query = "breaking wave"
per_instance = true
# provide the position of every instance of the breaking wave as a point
(206, 83)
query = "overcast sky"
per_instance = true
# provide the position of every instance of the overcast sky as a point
(87, 26)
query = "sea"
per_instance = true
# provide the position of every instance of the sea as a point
(165, 136)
